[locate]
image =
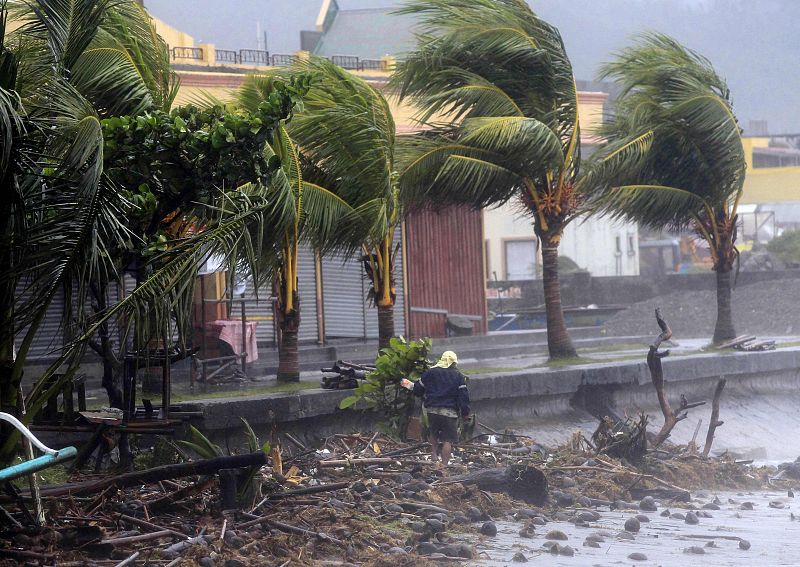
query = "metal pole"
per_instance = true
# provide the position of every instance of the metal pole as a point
(244, 339)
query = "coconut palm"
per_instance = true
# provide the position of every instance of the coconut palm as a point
(347, 133)
(684, 164)
(495, 86)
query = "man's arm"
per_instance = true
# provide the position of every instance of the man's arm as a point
(463, 398)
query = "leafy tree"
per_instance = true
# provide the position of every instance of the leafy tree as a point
(495, 86)
(786, 246)
(682, 160)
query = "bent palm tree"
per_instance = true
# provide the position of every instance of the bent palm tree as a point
(501, 78)
(684, 163)
(347, 132)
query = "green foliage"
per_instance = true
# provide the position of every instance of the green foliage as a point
(786, 246)
(169, 161)
(381, 391)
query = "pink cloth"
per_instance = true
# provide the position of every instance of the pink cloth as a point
(230, 331)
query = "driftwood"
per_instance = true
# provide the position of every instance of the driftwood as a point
(654, 356)
(156, 474)
(519, 481)
(715, 421)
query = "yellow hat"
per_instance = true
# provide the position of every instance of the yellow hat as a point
(447, 360)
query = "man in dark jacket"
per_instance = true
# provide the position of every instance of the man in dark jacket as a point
(445, 397)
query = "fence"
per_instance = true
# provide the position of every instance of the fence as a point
(261, 57)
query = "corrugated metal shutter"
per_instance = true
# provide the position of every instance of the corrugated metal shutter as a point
(259, 309)
(343, 295)
(348, 312)
(307, 284)
(49, 337)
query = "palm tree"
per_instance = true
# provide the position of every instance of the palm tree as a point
(316, 216)
(500, 78)
(684, 164)
(59, 216)
(347, 133)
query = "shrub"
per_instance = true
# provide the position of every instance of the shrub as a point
(786, 246)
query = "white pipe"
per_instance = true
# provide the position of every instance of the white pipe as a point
(26, 432)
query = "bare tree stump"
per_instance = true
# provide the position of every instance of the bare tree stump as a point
(715, 422)
(654, 356)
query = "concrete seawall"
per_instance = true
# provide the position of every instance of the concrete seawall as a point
(552, 402)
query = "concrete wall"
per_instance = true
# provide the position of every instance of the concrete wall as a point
(551, 403)
(580, 289)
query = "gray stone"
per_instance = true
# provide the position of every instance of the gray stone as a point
(206, 562)
(462, 550)
(434, 526)
(519, 558)
(566, 550)
(744, 544)
(417, 485)
(527, 531)
(625, 535)
(556, 535)
(665, 513)
(394, 508)
(595, 537)
(746, 506)
(426, 548)
(418, 527)
(711, 544)
(567, 482)
(538, 521)
(489, 529)
(397, 551)
(691, 518)
(648, 504)
(474, 513)
(710, 506)
(678, 516)
(584, 501)
(632, 525)
(642, 518)
(637, 556)
(460, 518)
(776, 504)
(591, 544)
(695, 550)
(358, 486)
(565, 499)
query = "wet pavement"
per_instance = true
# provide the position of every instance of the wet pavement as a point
(768, 527)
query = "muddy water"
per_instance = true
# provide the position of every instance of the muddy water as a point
(773, 535)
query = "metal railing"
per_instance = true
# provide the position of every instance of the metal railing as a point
(374, 65)
(346, 61)
(283, 60)
(257, 56)
(226, 55)
(187, 53)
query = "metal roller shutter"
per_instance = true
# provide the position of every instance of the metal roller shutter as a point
(343, 294)
(307, 287)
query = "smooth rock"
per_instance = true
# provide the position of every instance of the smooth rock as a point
(234, 563)
(695, 550)
(632, 525)
(744, 544)
(625, 535)
(519, 558)
(538, 521)
(776, 504)
(397, 551)
(711, 544)
(567, 482)
(527, 531)
(595, 538)
(489, 529)
(426, 548)
(474, 513)
(206, 562)
(591, 544)
(566, 550)
(642, 518)
(584, 501)
(665, 513)
(648, 504)
(710, 506)
(556, 535)
(637, 556)
(691, 518)
(434, 526)
(394, 508)
(678, 516)
(746, 506)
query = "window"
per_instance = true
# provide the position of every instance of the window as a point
(520, 259)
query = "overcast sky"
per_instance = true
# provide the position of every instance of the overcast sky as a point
(753, 44)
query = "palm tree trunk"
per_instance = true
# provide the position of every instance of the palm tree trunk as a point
(724, 330)
(288, 355)
(385, 325)
(559, 343)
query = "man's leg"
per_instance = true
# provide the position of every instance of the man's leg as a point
(447, 448)
(434, 447)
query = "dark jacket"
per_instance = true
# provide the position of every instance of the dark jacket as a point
(443, 388)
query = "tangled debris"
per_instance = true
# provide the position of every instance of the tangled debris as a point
(358, 499)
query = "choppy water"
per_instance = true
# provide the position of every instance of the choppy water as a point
(773, 535)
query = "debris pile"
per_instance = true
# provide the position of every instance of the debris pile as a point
(344, 375)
